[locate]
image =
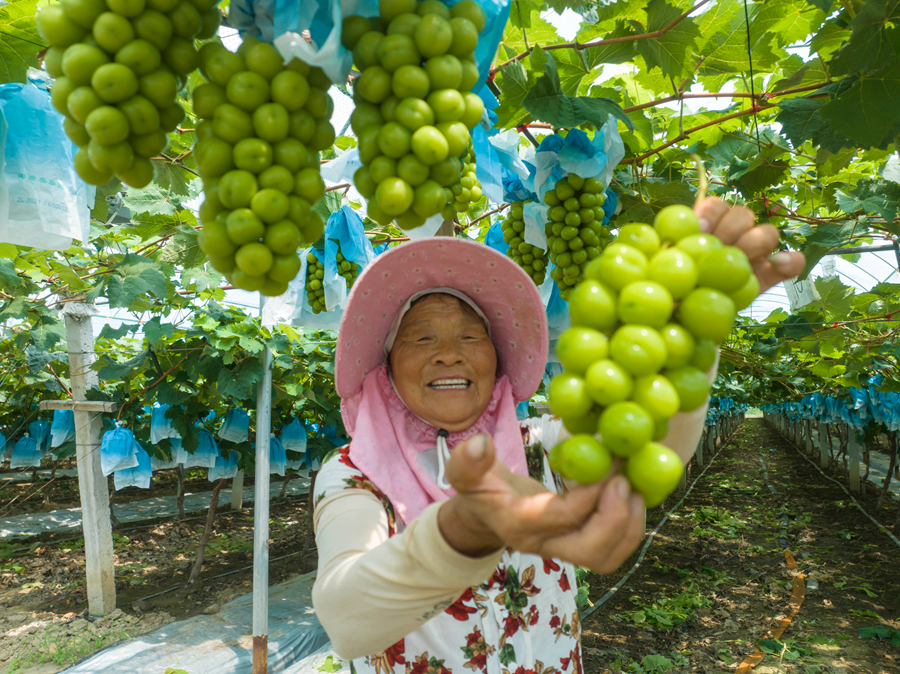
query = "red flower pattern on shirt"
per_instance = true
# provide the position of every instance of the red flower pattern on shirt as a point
(500, 621)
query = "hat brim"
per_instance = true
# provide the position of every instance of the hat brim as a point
(504, 292)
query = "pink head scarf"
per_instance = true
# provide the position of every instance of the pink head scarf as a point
(398, 452)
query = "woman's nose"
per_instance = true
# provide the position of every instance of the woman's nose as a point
(449, 352)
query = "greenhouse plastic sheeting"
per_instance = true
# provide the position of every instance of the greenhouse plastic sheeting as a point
(24, 526)
(221, 643)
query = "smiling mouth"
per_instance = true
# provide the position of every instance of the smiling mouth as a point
(450, 384)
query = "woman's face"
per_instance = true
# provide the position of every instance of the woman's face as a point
(443, 362)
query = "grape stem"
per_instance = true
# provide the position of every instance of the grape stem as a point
(702, 182)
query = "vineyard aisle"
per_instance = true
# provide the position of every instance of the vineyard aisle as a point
(716, 578)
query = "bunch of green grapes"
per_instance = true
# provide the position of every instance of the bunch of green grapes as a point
(531, 258)
(646, 321)
(349, 270)
(263, 126)
(467, 191)
(315, 283)
(118, 66)
(414, 105)
(575, 231)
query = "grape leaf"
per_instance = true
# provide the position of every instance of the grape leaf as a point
(109, 332)
(46, 331)
(547, 102)
(657, 194)
(152, 200)
(669, 51)
(870, 109)
(827, 236)
(801, 121)
(240, 382)
(134, 276)
(765, 169)
(14, 308)
(109, 369)
(874, 28)
(872, 196)
(513, 81)
(155, 331)
(183, 249)
(19, 40)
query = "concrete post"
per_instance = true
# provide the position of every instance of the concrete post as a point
(824, 442)
(237, 491)
(92, 485)
(853, 453)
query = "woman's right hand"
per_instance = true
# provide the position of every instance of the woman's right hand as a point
(594, 526)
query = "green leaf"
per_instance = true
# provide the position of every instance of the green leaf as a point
(657, 194)
(329, 665)
(546, 101)
(14, 308)
(175, 180)
(8, 274)
(155, 331)
(19, 40)
(151, 200)
(824, 5)
(520, 12)
(183, 249)
(764, 170)
(109, 332)
(870, 46)
(201, 279)
(870, 109)
(829, 39)
(872, 196)
(669, 51)
(134, 276)
(37, 360)
(801, 121)
(827, 236)
(46, 331)
(513, 81)
(240, 383)
(109, 369)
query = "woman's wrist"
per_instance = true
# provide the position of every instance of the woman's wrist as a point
(464, 532)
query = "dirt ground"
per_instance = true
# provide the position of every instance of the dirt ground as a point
(715, 577)
(42, 595)
(712, 583)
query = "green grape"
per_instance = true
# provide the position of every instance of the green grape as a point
(315, 283)
(349, 270)
(259, 176)
(414, 105)
(575, 234)
(532, 259)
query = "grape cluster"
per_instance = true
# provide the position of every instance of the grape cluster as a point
(645, 325)
(118, 66)
(263, 124)
(530, 258)
(315, 283)
(349, 270)
(414, 106)
(466, 191)
(575, 231)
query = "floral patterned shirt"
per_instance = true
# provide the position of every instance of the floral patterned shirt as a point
(523, 620)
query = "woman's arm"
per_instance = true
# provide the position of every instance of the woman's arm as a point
(372, 590)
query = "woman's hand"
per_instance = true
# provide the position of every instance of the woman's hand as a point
(596, 526)
(736, 227)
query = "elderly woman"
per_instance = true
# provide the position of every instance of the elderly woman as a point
(445, 541)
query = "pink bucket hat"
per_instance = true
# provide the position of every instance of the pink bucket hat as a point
(502, 290)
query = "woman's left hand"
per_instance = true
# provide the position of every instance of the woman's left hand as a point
(595, 526)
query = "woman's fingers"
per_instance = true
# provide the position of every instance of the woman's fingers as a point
(469, 462)
(709, 212)
(592, 544)
(734, 224)
(782, 266)
(758, 242)
(634, 534)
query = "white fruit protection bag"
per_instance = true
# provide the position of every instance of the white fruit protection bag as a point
(43, 203)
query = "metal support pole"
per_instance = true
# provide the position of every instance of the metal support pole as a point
(261, 518)
(237, 491)
(92, 485)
